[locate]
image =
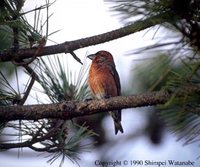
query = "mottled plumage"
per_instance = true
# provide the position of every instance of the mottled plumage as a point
(104, 82)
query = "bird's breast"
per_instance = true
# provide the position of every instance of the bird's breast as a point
(101, 82)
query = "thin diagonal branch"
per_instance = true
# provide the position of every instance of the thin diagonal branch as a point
(29, 143)
(70, 46)
(71, 109)
(30, 85)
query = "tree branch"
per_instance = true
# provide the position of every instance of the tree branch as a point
(70, 46)
(30, 143)
(71, 109)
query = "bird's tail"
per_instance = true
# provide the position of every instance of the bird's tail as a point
(116, 115)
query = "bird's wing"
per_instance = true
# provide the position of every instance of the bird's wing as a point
(116, 78)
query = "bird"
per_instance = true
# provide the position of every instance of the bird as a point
(104, 82)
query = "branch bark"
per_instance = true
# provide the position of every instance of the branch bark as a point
(70, 46)
(72, 109)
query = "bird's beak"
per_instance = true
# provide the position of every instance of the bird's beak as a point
(92, 56)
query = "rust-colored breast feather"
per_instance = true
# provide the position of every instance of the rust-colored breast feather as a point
(102, 82)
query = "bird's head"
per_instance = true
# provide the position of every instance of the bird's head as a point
(101, 57)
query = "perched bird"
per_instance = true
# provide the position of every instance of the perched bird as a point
(104, 82)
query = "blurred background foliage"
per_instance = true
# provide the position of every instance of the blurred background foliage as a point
(170, 63)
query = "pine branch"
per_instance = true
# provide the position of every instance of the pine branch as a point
(71, 109)
(70, 46)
